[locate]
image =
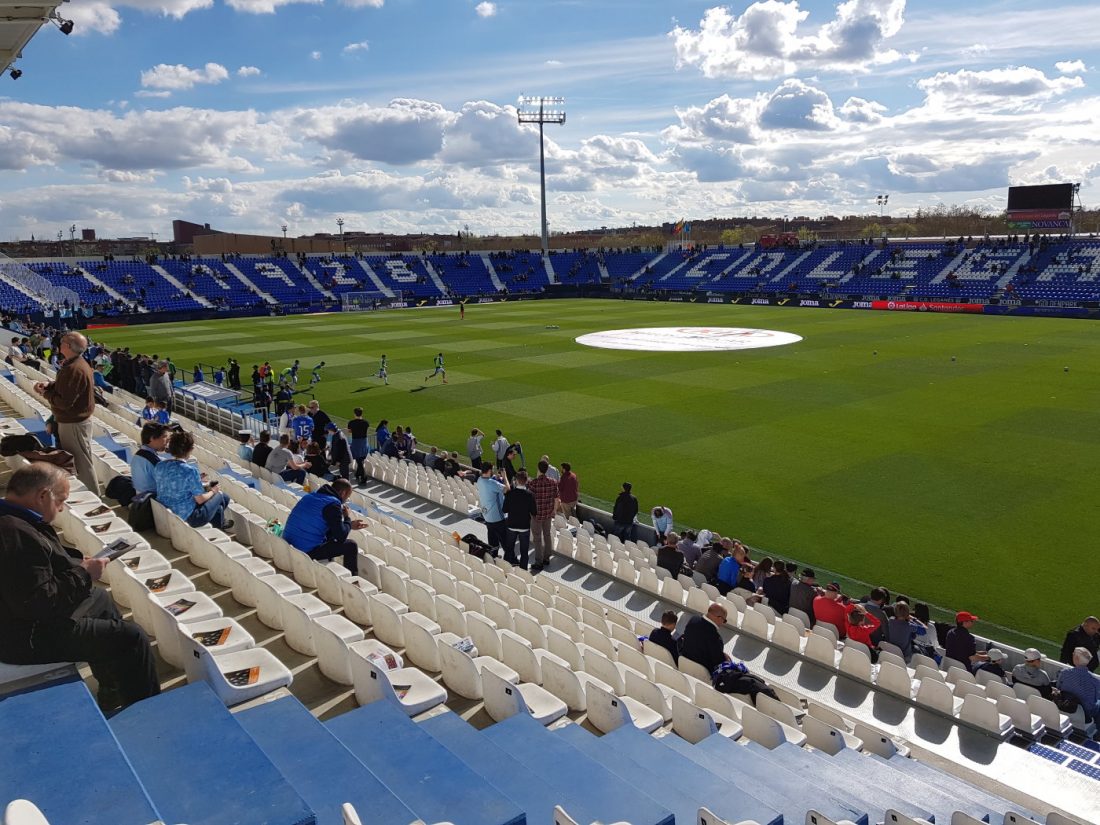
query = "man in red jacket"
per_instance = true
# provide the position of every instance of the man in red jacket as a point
(829, 608)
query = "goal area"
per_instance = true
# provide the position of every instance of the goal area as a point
(362, 301)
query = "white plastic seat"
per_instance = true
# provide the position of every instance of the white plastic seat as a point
(787, 636)
(963, 689)
(631, 657)
(385, 612)
(532, 605)
(888, 657)
(169, 612)
(450, 614)
(131, 591)
(820, 649)
(529, 628)
(649, 693)
(609, 672)
(565, 648)
(1057, 723)
(693, 668)
(462, 673)
(606, 711)
(525, 660)
(856, 663)
(420, 598)
(755, 624)
(504, 699)
(937, 696)
(1025, 722)
(593, 637)
(658, 652)
(765, 730)
(959, 674)
(565, 683)
(355, 594)
(406, 687)
(923, 672)
(695, 724)
(235, 677)
(329, 582)
(393, 582)
(894, 679)
(484, 634)
(242, 577)
(421, 647)
(299, 613)
(825, 737)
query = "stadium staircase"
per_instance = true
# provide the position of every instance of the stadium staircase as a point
(244, 279)
(378, 284)
(308, 275)
(494, 278)
(558, 662)
(186, 290)
(442, 287)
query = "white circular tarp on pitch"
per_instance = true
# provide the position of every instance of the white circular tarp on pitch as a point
(688, 339)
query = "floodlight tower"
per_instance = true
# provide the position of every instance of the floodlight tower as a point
(542, 110)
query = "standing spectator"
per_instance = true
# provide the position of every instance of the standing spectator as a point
(1030, 672)
(777, 588)
(382, 434)
(338, 451)
(321, 420)
(669, 556)
(50, 609)
(282, 462)
(960, 644)
(552, 471)
(545, 491)
(473, 447)
(1086, 635)
(160, 385)
(828, 608)
(1078, 682)
(521, 510)
(320, 523)
(359, 429)
(301, 425)
(71, 396)
(569, 489)
(625, 513)
(664, 635)
(690, 549)
(662, 521)
(803, 593)
(234, 374)
(490, 493)
(262, 450)
(702, 642)
(501, 445)
(181, 490)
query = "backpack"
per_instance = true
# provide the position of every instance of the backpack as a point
(14, 444)
(476, 546)
(140, 514)
(734, 677)
(121, 489)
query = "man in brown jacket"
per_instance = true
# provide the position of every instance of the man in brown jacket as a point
(71, 396)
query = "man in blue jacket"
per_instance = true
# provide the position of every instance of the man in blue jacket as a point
(320, 523)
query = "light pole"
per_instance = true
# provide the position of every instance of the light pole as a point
(284, 231)
(542, 110)
(340, 224)
(882, 200)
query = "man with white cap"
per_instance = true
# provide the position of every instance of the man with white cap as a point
(993, 664)
(1031, 672)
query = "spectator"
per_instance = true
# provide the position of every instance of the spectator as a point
(315, 459)
(321, 421)
(762, 571)
(508, 466)
(282, 462)
(520, 511)
(501, 446)
(490, 493)
(244, 452)
(262, 450)
(568, 490)
(875, 605)
(382, 434)
(669, 556)
(160, 387)
(301, 425)
(71, 396)
(690, 549)
(1030, 672)
(50, 609)
(473, 447)
(1078, 682)
(432, 459)
(960, 644)
(664, 635)
(902, 630)
(993, 665)
(729, 571)
(154, 438)
(709, 562)
(1086, 635)
(777, 589)
(702, 642)
(829, 609)
(545, 491)
(338, 451)
(860, 625)
(359, 430)
(803, 593)
(320, 523)
(451, 467)
(180, 487)
(625, 513)
(551, 471)
(662, 521)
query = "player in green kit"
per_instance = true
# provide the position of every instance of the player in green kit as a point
(439, 370)
(315, 376)
(383, 371)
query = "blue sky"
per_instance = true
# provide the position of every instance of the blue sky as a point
(398, 115)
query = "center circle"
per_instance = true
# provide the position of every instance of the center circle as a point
(688, 339)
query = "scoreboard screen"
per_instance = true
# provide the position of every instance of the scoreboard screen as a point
(1049, 206)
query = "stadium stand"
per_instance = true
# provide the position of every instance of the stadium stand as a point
(833, 746)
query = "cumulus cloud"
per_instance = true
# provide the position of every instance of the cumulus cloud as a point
(248, 71)
(1070, 66)
(179, 77)
(361, 46)
(263, 6)
(486, 9)
(314, 55)
(359, 4)
(858, 110)
(1011, 87)
(796, 105)
(485, 134)
(767, 39)
(725, 119)
(95, 16)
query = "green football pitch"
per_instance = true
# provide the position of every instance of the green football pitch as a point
(948, 457)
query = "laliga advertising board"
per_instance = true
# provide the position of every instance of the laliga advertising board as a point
(688, 339)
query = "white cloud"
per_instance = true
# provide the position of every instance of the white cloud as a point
(150, 93)
(862, 111)
(486, 9)
(1070, 66)
(553, 63)
(485, 134)
(93, 16)
(263, 6)
(765, 41)
(179, 77)
(361, 46)
(1013, 87)
(249, 71)
(796, 105)
(358, 4)
(315, 55)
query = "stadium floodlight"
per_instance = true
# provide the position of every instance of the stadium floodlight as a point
(542, 110)
(66, 26)
(882, 200)
(284, 231)
(15, 74)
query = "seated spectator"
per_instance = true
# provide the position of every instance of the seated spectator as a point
(960, 644)
(777, 589)
(315, 460)
(829, 608)
(803, 593)
(262, 450)
(1077, 682)
(902, 629)
(149, 411)
(692, 552)
(451, 467)
(180, 487)
(762, 571)
(50, 608)
(993, 665)
(701, 640)
(860, 625)
(1030, 672)
(662, 521)
(281, 461)
(729, 571)
(745, 583)
(669, 556)
(431, 458)
(244, 452)
(709, 561)
(665, 634)
(320, 523)
(1086, 635)
(160, 412)
(875, 605)
(154, 438)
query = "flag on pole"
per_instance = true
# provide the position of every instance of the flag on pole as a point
(678, 228)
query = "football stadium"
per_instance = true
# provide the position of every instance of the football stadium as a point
(728, 521)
